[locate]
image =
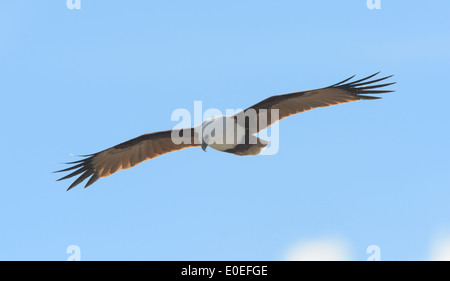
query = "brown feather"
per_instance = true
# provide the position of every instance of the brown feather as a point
(297, 102)
(124, 156)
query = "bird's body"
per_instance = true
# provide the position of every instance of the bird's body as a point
(232, 134)
(224, 133)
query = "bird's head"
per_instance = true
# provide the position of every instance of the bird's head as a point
(205, 133)
(204, 145)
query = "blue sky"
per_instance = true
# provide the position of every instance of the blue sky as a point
(366, 173)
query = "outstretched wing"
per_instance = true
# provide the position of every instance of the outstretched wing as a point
(128, 154)
(293, 103)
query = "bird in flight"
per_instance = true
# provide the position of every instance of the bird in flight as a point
(233, 134)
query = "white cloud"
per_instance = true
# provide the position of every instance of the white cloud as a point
(440, 247)
(328, 249)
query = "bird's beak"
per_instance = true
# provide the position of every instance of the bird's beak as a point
(204, 145)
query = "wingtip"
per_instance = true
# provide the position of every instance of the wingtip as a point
(366, 85)
(93, 179)
(343, 81)
(75, 183)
